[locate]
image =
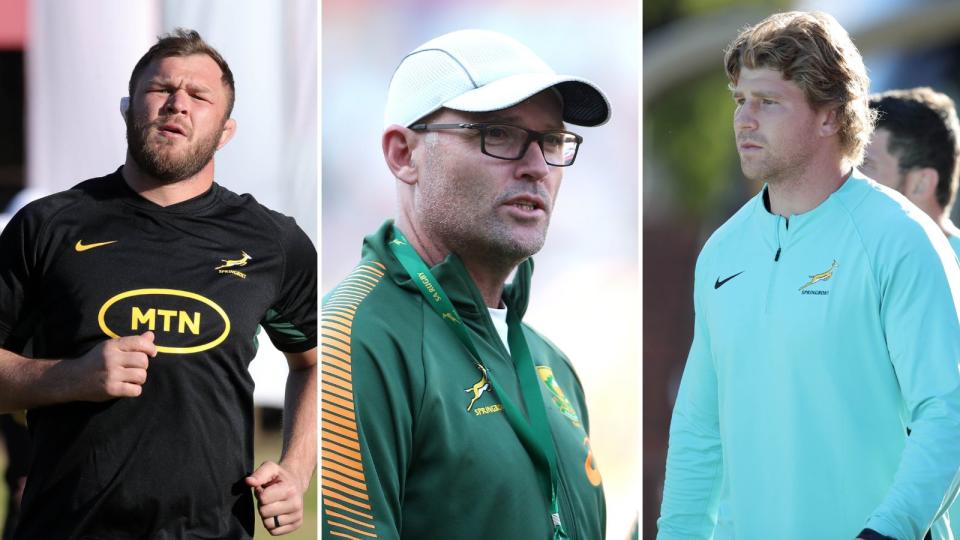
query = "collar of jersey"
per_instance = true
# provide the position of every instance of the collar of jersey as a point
(132, 198)
(842, 197)
(453, 277)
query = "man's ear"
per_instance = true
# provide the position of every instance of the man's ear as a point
(921, 183)
(229, 130)
(124, 107)
(829, 122)
(398, 145)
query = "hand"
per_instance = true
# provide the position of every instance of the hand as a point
(114, 368)
(279, 497)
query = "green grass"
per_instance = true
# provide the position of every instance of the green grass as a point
(267, 447)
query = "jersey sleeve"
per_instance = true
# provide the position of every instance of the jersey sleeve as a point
(694, 460)
(368, 399)
(291, 322)
(17, 242)
(920, 295)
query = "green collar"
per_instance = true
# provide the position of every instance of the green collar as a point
(453, 277)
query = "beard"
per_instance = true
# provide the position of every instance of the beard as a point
(779, 168)
(166, 166)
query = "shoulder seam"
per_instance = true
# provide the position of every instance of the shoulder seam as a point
(262, 214)
(848, 211)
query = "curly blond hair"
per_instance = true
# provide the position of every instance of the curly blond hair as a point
(812, 50)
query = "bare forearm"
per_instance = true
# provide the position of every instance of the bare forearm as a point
(26, 383)
(300, 423)
(111, 369)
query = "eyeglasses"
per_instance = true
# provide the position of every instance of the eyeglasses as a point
(504, 141)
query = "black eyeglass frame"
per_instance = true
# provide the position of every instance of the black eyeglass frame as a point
(531, 136)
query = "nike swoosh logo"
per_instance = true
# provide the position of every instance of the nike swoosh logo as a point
(83, 247)
(720, 282)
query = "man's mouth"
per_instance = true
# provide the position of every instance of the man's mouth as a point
(172, 129)
(527, 204)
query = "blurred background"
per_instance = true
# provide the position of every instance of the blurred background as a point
(586, 286)
(691, 173)
(64, 67)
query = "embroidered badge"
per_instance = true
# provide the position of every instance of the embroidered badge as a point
(816, 278)
(559, 398)
(478, 388)
(229, 264)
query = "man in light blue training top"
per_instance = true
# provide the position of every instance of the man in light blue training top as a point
(826, 323)
(914, 151)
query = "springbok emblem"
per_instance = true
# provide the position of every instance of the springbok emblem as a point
(823, 276)
(478, 387)
(230, 263)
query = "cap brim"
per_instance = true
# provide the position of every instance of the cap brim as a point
(584, 104)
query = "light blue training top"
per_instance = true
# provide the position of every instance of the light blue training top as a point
(818, 341)
(954, 512)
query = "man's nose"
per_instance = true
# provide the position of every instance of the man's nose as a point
(177, 102)
(744, 118)
(533, 164)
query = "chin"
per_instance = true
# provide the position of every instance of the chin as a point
(752, 172)
(522, 246)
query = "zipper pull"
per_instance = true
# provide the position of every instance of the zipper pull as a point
(558, 532)
(777, 256)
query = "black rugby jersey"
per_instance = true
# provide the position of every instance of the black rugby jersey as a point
(100, 261)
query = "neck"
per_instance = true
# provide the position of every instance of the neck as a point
(805, 192)
(166, 193)
(489, 281)
(937, 213)
(946, 225)
(488, 276)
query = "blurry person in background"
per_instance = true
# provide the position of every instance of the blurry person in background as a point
(825, 322)
(129, 312)
(914, 151)
(445, 416)
(16, 442)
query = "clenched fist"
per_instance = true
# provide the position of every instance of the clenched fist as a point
(114, 368)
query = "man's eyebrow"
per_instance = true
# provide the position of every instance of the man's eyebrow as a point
(768, 94)
(511, 119)
(190, 86)
(763, 94)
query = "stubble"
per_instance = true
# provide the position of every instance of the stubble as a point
(151, 156)
(460, 209)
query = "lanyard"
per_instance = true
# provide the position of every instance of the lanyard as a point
(535, 434)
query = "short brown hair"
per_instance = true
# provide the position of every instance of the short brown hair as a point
(815, 52)
(184, 42)
(924, 132)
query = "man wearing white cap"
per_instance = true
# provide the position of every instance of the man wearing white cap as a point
(444, 416)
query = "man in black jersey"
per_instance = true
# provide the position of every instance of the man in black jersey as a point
(139, 297)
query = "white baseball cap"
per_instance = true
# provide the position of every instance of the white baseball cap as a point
(480, 71)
